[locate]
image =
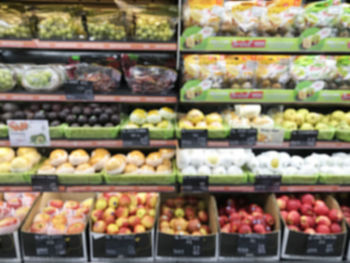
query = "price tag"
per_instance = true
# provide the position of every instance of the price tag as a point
(135, 137)
(194, 183)
(268, 136)
(79, 90)
(29, 132)
(45, 183)
(243, 137)
(267, 183)
(251, 245)
(194, 138)
(50, 245)
(321, 245)
(187, 246)
(120, 245)
(303, 138)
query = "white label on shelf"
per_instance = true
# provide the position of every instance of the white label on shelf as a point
(29, 132)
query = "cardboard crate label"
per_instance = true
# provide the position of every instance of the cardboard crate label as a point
(319, 245)
(195, 183)
(45, 183)
(303, 138)
(267, 183)
(135, 137)
(79, 90)
(50, 245)
(252, 245)
(243, 137)
(187, 246)
(120, 245)
(194, 138)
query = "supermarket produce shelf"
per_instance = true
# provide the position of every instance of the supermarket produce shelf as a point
(101, 143)
(87, 45)
(121, 98)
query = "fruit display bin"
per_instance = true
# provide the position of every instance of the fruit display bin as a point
(302, 246)
(139, 179)
(75, 179)
(156, 133)
(291, 179)
(323, 135)
(343, 135)
(18, 178)
(334, 178)
(212, 133)
(240, 247)
(220, 179)
(134, 247)
(53, 248)
(91, 132)
(188, 248)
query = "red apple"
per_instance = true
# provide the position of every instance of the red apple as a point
(132, 210)
(323, 220)
(109, 211)
(122, 222)
(71, 204)
(234, 216)
(205, 230)
(170, 203)
(255, 208)
(203, 216)
(139, 229)
(248, 220)
(306, 209)
(323, 229)
(282, 204)
(293, 218)
(223, 220)
(14, 203)
(75, 228)
(226, 228)
(259, 228)
(141, 198)
(310, 231)
(96, 215)
(99, 226)
(335, 215)
(112, 229)
(193, 225)
(56, 203)
(284, 197)
(245, 229)
(321, 208)
(306, 222)
(335, 228)
(308, 199)
(122, 211)
(113, 202)
(42, 218)
(124, 200)
(269, 219)
(36, 227)
(151, 201)
(109, 219)
(135, 220)
(124, 231)
(293, 228)
(293, 204)
(101, 203)
(147, 221)
(284, 215)
(190, 213)
(50, 210)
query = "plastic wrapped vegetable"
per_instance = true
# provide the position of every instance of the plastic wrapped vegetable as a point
(240, 70)
(42, 77)
(106, 24)
(149, 74)
(343, 70)
(241, 18)
(104, 79)
(13, 23)
(7, 78)
(57, 24)
(273, 72)
(344, 21)
(279, 19)
(203, 14)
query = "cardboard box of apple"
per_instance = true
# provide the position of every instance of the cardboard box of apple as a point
(123, 219)
(249, 227)
(57, 219)
(312, 221)
(187, 226)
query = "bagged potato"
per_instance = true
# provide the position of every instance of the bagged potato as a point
(105, 24)
(203, 14)
(55, 22)
(13, 22)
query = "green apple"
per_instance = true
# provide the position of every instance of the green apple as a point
(299, 119)
(289, 114)
(313, 118)
(307, 126)
(347, 118)
(334, 123)
(338, 115)
(322, 126)
(289, 125)
(303, 111)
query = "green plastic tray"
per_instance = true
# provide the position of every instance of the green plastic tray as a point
(156, 133)
(326, 135)
(222, 179)
(139, 179)
(4, 131)
(300, 179)
(343, 135)
(91, 133)
(334, 179)
(80, 179)
(19, 178)
(57, 132)
(212, 134)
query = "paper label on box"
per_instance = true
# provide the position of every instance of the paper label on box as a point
(29, 132)
(270, 136)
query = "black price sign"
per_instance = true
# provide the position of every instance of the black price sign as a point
(251, 245)
(194, 138)
(195, 183)
(120, 245)
(79, 90)
(45, 183)
(135, 137)
(321, 245)
(50, 245)
(243, 137)
(303, 138)
(267, 183)
(187, 246)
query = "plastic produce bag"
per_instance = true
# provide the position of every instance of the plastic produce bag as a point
(42, 77)
(149, 73)
(203, 14)
(56, 23)
(13, 23)
(106, 24)
(7, 78)
(104, 79)
(241, 18)
(343, 73)
(240, 71)
(344, 21)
